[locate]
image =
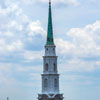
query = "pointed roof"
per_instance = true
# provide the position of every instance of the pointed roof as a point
(50, 28)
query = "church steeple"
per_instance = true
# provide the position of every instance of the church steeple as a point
(50, 76)
(50, 40)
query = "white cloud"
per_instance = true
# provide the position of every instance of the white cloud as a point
(63, 46)
(8, 33)
(7, 75)
(35, 28)
(5, 68)
(35, 76)
(6, 48)
(14, 25)
(12, 8)
(5, 72)
(67, 2)
(17, 30)
(98, 64)
(33, 55)
(74, 79)
(14, 36)
(83, 49)
(17, 45)
(87, 39)
(84, 41)
(21, 68)
(77, 65)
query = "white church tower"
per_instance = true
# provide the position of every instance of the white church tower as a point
(50, 76)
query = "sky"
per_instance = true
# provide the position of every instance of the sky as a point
(23, 30)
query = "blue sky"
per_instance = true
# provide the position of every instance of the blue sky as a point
(23, 26)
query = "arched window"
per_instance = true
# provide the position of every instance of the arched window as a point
(54, 67)
(47, 49)
(46, 67)
(55, 83)
(45, 83)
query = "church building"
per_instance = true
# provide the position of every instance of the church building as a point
(50, 76)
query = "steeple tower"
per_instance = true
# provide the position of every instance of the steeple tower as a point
(50, 28)
(50, 76)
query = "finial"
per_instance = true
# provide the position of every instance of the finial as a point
(49, 1)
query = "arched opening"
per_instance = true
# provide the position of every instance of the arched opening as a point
(55, 67)
(47, 49)
(46, 67)
(45, 83)
(55, 83)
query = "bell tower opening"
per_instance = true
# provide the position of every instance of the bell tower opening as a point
(46, 67)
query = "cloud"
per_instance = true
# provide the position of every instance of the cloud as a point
(17, 30)
(77, 65)
(82, 52)
(21, 41)
(87, 39)
(11, 9)
(84, 41)
(35, 28)
(11, 75)
(6, 48)
(18, 33)
(22, 69)
(78, 79)
(33, 55)
(14, 25)
(15, 46)
(5, 73)
(64, 46)
(66, 2)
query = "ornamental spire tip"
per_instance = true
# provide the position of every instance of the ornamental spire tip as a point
(49, 2)
(50, 27)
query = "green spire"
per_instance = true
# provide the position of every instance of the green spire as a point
(50, 28)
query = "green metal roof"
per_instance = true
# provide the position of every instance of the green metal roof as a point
(50, 28)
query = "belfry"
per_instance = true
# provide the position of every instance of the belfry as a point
(50, 76)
